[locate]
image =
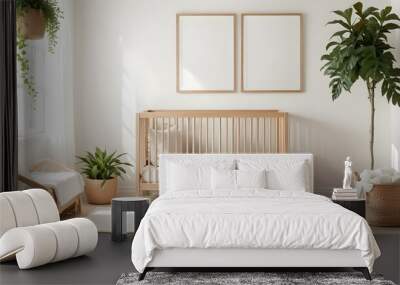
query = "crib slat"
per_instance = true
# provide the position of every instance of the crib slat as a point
(181, 135)
(251, 134)
(200, 134)
(156, 148)
(152, 169)
(187, 135)
(258, 134)
(238, 135)
(193, 133)
(176, 134)
(212, 137)
(162, 132)
(168, 134)
(270, 136)
(233, 135)
(245, 135)
(220, 134)
(207, 135)
(264, 134)
(277, 135)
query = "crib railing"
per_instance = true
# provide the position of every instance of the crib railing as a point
(204, 131)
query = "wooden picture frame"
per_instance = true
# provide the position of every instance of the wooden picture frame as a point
(265, 65)
(206, 52)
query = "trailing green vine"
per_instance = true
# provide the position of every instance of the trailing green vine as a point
(27, 78)
(52, 15)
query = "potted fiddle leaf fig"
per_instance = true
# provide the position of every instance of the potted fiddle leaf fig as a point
(34, 19)
(102, 170)
(360, 50)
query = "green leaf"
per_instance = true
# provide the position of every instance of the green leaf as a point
(390, 26)
(340, 22)
(339, 33)
(386, 12)
(392, 17)
(346, 14)
(369, 11)
(331, 44)
(358, 7)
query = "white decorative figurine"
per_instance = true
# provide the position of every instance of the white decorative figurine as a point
(348, 174)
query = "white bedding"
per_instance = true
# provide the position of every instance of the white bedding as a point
(251, 218)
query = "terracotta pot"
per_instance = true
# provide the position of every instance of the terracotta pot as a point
(31, 24)
(383, 206)
(97, 194)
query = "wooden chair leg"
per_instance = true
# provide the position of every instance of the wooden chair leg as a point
(78, 206)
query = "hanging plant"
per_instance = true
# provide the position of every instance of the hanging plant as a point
(34, 18)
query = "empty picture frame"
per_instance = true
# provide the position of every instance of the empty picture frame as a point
(271, 53)
(206, 53)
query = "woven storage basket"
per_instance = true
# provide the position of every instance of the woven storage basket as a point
(383, 206)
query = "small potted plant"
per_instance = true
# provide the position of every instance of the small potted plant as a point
(102, 170)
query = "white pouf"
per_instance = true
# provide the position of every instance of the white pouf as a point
(101, 216)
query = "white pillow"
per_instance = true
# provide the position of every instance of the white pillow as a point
(251, 178)
(293, 178)
(190, 173)
(223, 179)
(281, 174)
(182, 177)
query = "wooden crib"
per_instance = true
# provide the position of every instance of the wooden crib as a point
(204, 131)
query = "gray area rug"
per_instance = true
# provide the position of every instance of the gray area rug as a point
(269, 278)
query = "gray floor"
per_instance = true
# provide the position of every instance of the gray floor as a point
(111, 259)
(103, 266)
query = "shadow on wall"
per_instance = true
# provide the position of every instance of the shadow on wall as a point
(395, 158)
(105, 82)
(330, 146)
(128, 116)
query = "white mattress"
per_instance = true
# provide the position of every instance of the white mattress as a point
(250, 219)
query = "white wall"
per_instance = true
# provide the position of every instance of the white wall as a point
(45, 127)
(125, 62)
(395, 110)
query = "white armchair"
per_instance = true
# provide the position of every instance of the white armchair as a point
(31, 230)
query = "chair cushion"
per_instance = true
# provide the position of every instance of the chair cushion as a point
(23, 208)
(26, 208)
(45, 205)
(7, 220)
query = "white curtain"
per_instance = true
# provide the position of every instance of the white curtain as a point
(46, 126)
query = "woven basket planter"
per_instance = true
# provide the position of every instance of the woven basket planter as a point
(383, 206)
(31, 24)
(99, 194)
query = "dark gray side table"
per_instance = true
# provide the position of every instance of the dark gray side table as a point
(119, 207)
(356, 205)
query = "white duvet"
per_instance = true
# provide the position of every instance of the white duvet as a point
(250, 219)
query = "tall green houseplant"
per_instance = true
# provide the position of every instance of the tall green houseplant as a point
(360, 50)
